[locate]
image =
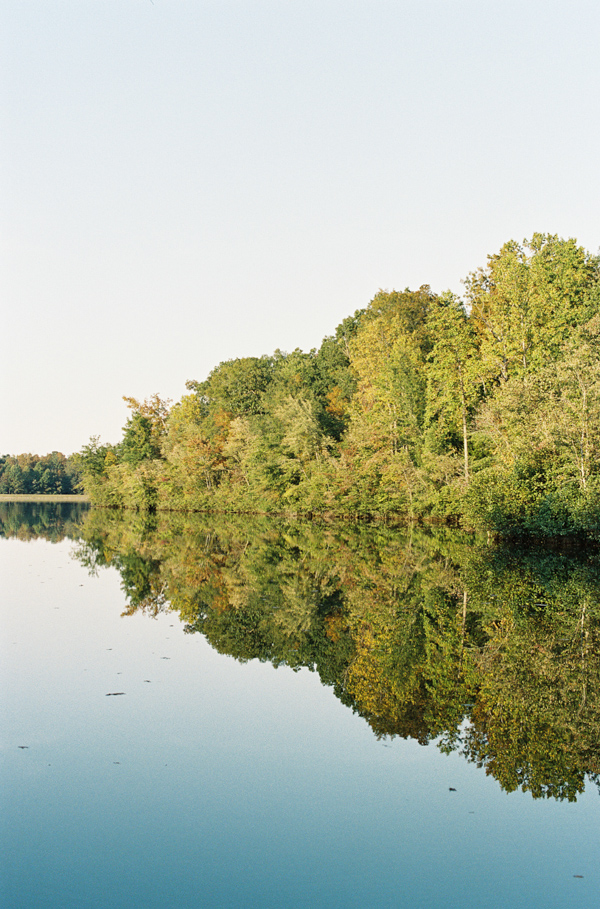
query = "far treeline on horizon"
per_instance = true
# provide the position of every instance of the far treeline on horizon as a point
(482, 412)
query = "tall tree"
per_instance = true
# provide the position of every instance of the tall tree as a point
(451, 393)
(528, 299)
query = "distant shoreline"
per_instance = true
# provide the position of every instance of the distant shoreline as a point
(27, 497)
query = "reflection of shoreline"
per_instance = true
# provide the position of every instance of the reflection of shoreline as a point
(491, 651)
(50, 518)
(50, 497)
(416, 631)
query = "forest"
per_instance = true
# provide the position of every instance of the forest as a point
(481, 412)
(28, 474)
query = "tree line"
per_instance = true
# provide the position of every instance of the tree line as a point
(28, 474)
(483, 411)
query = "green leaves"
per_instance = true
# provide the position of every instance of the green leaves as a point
(418, 406)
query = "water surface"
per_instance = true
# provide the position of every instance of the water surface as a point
(230, 781)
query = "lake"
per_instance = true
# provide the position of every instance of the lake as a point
(200, 712)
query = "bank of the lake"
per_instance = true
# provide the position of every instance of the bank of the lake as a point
(24, 499)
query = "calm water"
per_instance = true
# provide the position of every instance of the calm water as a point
(211, 782)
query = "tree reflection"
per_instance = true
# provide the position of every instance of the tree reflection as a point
(52, 521)
(489, 651)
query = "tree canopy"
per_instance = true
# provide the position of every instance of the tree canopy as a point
(483, 410)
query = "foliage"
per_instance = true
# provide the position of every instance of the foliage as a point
(483, 412)
(31, 474)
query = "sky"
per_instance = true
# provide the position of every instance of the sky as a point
(185, 181)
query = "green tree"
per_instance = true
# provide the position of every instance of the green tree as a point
(451, 394)
(528, 299)
(236, 386)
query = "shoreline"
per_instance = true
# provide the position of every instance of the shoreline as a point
(50, 497)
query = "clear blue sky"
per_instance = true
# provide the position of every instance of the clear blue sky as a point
(185, 181)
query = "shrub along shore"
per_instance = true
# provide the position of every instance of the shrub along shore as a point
(482, 411)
